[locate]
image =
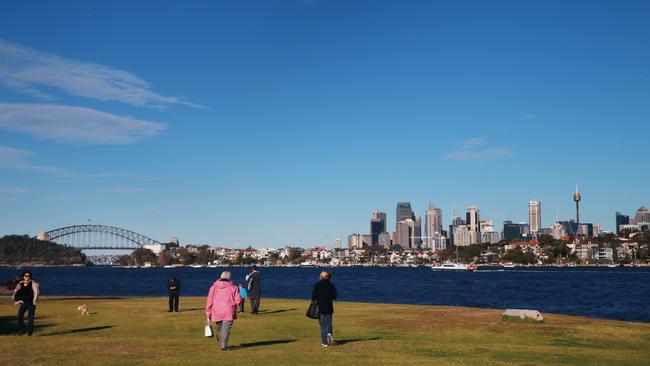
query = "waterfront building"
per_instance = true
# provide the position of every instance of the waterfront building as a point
(432, 224)
(534, 216)
(621, 220)
(606, 254)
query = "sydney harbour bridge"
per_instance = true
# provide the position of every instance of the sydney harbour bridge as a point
(97, 237)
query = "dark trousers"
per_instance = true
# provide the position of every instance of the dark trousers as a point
(255, 303)
(31, 311)
(173, 301)
(325, 327)
(241, 306)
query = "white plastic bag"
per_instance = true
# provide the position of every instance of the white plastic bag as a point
(208, 330)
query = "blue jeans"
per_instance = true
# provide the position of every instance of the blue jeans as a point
(30, 308)
(325, 327)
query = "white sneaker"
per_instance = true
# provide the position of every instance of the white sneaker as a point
(324, 345)
(330, 340)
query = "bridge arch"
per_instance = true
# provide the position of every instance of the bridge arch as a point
(99, 237)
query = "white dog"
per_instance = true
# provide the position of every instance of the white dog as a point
(83, 309)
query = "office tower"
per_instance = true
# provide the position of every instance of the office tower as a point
(488, 234)
(642, 215)
(473, 223)
(337, 243)
(384, 240)
(439, 241)
(432, 224)
(417, 232)
(463, 236)
(577, 197)
(535, 216)
(404, 233)
(511, 230)
(403, 212)
(355, 241)
(377, 226)
(621, 220)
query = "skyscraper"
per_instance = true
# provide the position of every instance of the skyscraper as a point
(377, 226)
(535, 216)
(403, 233)
(416, 241)
(621, 220)
(432, 224)
(403, 212)
(473, 224)
(642, 215)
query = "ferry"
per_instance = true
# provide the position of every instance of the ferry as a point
(457, 267)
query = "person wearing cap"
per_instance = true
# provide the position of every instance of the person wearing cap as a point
(324, 293)
(220, 308)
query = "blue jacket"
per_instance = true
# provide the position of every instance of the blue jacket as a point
(243, 293)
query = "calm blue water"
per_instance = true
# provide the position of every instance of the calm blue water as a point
(610, 293)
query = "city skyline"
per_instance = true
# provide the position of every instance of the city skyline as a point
(273, 124)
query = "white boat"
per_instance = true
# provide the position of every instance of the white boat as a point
(508, 265)
(451, 266)
(197, 266)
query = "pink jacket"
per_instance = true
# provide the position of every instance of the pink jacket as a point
(223, 299)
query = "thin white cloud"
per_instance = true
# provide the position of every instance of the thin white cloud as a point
(6, 189)
(125, 190)
(474, 149)
(75, 124)
(492, 153)
(474, 141)
(26, 69)
(64, 197)
(529, 116)
(17, 159)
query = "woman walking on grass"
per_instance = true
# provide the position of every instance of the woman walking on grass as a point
(323, 293)
(26, 294)
(221, 307)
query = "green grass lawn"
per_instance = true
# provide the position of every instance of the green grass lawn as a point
(140, 331)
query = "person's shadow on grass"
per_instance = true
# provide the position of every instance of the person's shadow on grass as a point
(79, 330)
(341, 342)
(266, 312)
(9, 325)
(261, 343)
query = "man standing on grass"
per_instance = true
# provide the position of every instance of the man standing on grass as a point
(254, 280)
(174, 287)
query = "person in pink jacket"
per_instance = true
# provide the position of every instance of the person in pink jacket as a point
(220, 308)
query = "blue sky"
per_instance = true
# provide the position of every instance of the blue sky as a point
(272, 123)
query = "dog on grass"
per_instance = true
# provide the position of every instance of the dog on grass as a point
(83, 309)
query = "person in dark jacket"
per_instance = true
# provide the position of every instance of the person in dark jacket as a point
(323, 293)
(174, 288)
(26, 294)
(254, 280)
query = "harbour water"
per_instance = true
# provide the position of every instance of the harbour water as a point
(601, 292)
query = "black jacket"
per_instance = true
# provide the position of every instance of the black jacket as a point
(174, 285)
(254, 280)
(324, 292)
